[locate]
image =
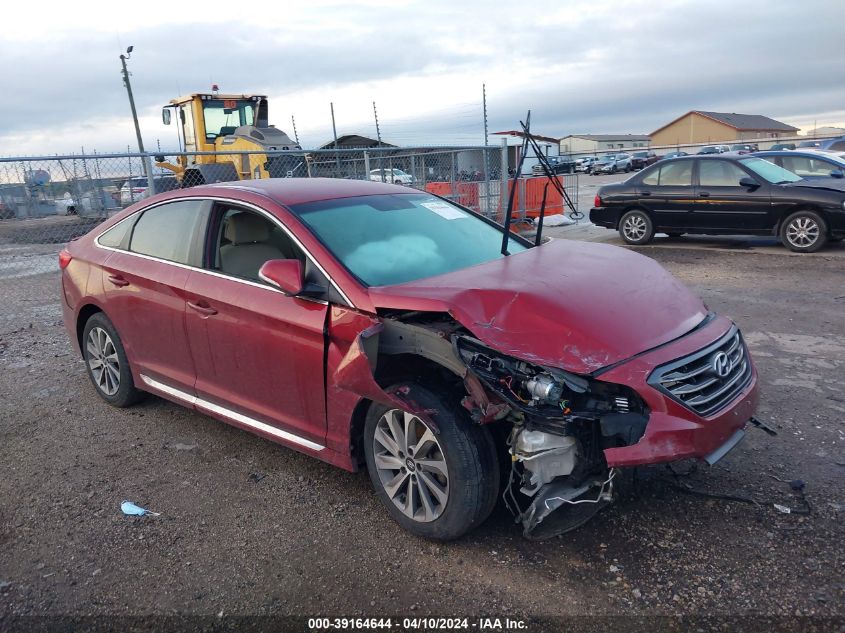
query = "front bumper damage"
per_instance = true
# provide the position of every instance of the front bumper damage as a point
(570, 435)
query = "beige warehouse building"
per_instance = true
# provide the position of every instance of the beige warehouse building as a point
(699, 126)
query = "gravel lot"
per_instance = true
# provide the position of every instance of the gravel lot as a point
(248, 527)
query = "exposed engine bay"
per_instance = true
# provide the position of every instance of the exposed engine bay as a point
(556, 423)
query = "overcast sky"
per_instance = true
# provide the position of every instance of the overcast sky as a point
(582, 67)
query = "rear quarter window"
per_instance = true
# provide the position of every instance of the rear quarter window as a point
(118, 235)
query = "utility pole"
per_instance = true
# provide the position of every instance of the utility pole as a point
(334, 132)
(378, 136)
(378, 129)
(295, 135)
(486, 208)
(484, 103)
(148, 168)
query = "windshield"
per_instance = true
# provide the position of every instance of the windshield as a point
(392, 239)
(226, 113)
(769, 171)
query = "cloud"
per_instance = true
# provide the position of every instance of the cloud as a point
(581, 67)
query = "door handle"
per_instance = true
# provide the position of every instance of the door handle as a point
(704, 194)
(203, 308)
(645, 193)
(118, 281)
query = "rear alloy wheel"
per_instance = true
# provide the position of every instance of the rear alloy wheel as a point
(437, 483)
(804, 232)
(636, 227)
(105, 360)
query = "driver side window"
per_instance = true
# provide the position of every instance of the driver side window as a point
(244, 240)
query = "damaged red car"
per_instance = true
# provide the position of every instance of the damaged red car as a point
(377, 327)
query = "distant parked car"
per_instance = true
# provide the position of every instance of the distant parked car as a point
(394, 176)
(807, 163)
(714, 149)
(643, 159)
(781, 146)
(744, 148)
(829, 144)
(612, 163)
(585, 164)
(724, 195)
(559, 165)
(673, 155)
(135, 189)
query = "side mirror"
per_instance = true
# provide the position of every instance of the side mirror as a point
(165, 116)
(284, 274)
(837, 173)
(748, 182)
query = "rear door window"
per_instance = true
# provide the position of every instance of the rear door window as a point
(167, 230)
(677, 173)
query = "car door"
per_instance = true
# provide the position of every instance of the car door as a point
(259, 354)
(667, 191)
(144, 282)
(722, 204)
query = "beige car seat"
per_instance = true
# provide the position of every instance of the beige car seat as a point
(249, 247)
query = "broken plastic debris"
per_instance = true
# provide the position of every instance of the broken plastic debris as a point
(782, 509)
(131, 509)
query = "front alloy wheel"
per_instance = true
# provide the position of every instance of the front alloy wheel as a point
(410, 465)
(804, 232)
(437, 477)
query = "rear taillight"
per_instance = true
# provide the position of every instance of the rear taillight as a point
(597, 201)
(64, 258)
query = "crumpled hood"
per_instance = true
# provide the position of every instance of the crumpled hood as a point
(578, 306)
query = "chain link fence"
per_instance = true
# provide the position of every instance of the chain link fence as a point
(47, 201)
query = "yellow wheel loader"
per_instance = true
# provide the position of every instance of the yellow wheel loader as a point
(213, 122)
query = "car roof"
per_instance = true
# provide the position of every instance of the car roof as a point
(811, 153)
(289, 191)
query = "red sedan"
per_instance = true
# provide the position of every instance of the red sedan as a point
(367, 324)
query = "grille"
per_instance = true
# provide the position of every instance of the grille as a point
(709, 379)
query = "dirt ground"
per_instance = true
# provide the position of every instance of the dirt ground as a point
(250, 528)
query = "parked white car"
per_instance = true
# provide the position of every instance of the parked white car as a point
(584, 164)
(396, 176)
(135, 189)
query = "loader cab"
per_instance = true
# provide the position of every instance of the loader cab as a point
(204, 118)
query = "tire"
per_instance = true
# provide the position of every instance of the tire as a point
(636, 227)
(102, 349)
(627, 168)
(459, 500)
(804, 232)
